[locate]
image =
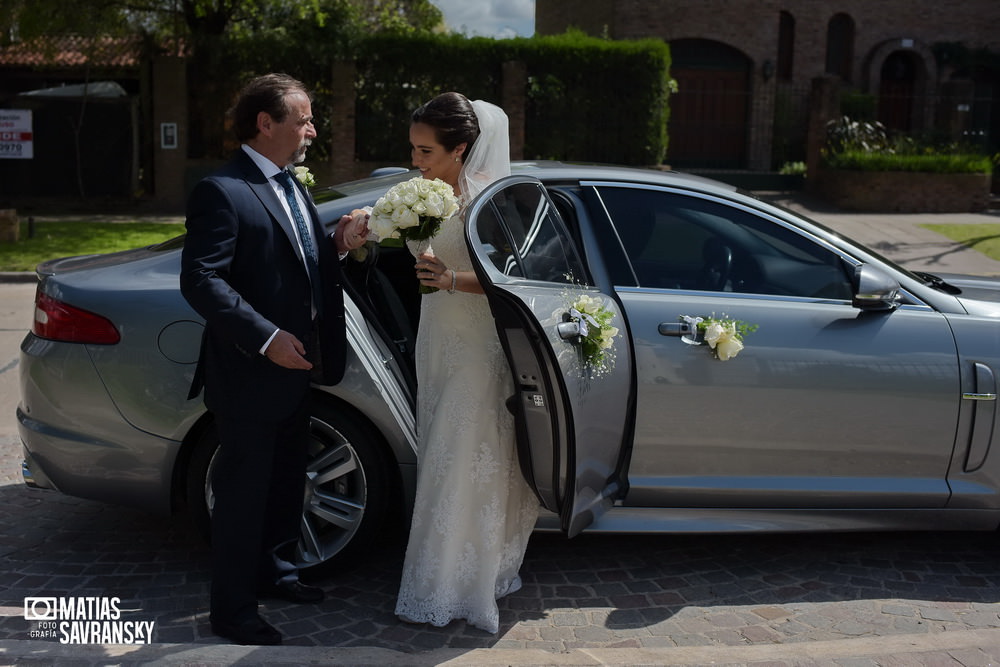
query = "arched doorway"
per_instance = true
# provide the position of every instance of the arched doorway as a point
(709, 112)
(897, 91)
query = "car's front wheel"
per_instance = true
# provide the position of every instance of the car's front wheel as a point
(348, 498)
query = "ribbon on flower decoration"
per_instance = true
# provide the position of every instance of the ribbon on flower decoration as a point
(693, 322)
(583, 319)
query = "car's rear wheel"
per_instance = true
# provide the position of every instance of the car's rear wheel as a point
(348, 498)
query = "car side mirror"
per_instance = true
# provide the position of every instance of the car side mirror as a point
(874, 289)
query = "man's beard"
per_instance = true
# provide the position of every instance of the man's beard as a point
(300, 154)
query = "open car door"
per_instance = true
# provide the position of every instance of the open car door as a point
(573, 402)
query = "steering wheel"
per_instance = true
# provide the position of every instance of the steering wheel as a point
(717, 266)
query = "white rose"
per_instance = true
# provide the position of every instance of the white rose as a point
(587, 304)
(435, 205)
(403, 218)
(383, 228)
(408, 194)
(729, 348)
(608, 337)
(304, 177)
(713, 333)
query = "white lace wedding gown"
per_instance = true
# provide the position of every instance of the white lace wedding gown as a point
(473, 512)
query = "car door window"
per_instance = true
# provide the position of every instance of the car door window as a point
(531, 244)
(676, 241)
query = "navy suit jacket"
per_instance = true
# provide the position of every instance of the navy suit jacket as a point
(241, 270)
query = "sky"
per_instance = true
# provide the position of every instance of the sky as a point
(489, 18)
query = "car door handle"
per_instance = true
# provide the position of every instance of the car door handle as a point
(675, 329)
(569, 330)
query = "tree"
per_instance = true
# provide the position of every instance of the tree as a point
(223, 39)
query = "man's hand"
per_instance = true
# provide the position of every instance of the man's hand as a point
(352, 231)
(287, 351)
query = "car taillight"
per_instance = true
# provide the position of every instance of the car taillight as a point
(60, 321)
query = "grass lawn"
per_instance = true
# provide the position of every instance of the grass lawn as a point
(985, 237)
(74, 237)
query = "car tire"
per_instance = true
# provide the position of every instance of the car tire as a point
(349, 496)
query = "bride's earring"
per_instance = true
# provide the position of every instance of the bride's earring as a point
(457, 159)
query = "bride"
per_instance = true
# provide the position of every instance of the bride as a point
(473, 512)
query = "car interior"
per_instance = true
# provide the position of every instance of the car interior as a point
(674, 241)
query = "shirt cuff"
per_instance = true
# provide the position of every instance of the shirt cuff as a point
(267, 343)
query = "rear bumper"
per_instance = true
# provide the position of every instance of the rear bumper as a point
(33, 475)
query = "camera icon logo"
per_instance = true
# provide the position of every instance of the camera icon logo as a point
(41, 609)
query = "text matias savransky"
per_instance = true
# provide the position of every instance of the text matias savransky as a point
(84, 620)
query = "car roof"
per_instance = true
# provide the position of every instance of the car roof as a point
(550, 172)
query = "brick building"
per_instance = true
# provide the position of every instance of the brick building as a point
(744, 68)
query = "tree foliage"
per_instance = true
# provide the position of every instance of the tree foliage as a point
(198, 21)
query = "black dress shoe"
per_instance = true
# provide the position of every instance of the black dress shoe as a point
(253, 632)
(294, 591)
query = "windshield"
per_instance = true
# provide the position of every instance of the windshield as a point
(324, 195)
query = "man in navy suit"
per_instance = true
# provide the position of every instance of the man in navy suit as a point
(259, 267)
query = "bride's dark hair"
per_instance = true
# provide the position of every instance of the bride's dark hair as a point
(453, 119)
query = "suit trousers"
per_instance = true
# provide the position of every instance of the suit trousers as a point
(259, 485)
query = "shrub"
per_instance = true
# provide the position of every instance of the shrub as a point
(945, 164)
(793, 169)
(845, 134)
(868, 146)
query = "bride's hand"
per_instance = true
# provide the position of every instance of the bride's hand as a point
(352, 230)
(432, 272)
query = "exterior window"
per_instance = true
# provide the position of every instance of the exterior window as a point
(840, 46)
(675, 241)
(526, 237)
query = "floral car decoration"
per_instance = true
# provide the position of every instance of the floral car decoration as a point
(597, 335)
(723, 335)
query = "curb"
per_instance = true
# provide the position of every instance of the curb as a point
(967, 646)
(18, 277)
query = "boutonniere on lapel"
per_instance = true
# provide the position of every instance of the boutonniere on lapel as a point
(305, 177)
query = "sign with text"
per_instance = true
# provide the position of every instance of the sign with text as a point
(15, 134)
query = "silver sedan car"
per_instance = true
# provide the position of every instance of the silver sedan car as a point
(864, 397)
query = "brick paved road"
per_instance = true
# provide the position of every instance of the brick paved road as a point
(593, 592)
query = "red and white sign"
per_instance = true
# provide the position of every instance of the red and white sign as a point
(15, 134)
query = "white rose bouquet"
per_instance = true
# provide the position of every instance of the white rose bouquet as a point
(597, 336)
(412, 211)
(723, 335)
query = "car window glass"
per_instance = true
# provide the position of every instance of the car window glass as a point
(531, 242)
(675, 241)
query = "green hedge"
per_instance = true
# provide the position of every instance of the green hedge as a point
(943, 164)
(588, 99)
